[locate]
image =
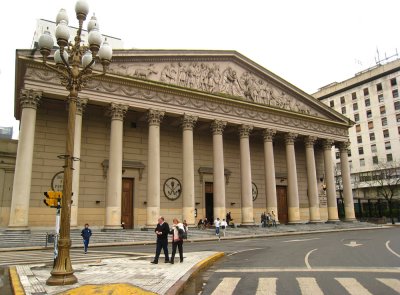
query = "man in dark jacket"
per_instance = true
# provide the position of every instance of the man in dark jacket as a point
(86, 233)
(161, 231)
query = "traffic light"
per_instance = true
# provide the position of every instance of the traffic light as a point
(52, 199)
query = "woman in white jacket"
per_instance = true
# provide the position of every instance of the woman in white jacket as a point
(177, 240)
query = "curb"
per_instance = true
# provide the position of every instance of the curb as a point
(178, 287)
(15, 283)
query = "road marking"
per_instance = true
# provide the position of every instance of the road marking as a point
(309, 286)
(266, 286)
(306, 258)
(353, 244)
(300, 240)
(353, 286)
(392, 283)
(240, 251)
(227, 286)
(390, 249)
(302, 269)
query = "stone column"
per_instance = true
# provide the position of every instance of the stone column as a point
(269, 170)
(153, 179)
(292, 192)
(80, 105)
(312, 185)
(347, 190)
(19, 211)
(188, 123)
(114, 175)
(245, 175)
(219, 169)
(330, 182)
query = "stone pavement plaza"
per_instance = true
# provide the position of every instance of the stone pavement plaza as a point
(129, 275)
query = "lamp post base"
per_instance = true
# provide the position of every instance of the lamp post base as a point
(61, 279)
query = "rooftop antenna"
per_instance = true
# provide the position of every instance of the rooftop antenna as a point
(379, 61)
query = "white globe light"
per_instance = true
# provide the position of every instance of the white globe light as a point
(93, 23)
(87, 58)
(57, 57)
(46, 41)
(105, 52)
(62, 33)
(62, 15)
(82, 7)
(94, 37)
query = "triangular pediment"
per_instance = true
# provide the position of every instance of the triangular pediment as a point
(225, 73)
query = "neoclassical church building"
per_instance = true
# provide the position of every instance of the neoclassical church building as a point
(177, 133)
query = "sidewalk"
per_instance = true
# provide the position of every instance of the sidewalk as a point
(136, 275)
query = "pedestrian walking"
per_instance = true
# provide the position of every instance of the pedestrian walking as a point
(162, 231)
(217, 224)
(228, 218)
(86, 233)
(178, 234)
(224, 225)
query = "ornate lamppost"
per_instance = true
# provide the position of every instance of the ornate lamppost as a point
(73, 64)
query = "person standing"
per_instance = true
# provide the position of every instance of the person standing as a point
(177, 239)
(86, 233)
(273, 219)
(162, 231)
(224, 225)
(217, 224)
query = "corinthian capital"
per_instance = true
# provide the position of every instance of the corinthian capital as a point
(310, 141)
(269, 134)
(327, 144)
(188, 122)
(218, 126)
(81, 105)
(154, 117)
(290, 138)
(29, 98)
(118, 111)
(344, 146)
(244, 130)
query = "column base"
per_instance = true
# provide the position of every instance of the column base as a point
(333, 221)
(112, 228)
(248, 224)
(296, 222)
(19, 229)
(350, 220)
(315, 221)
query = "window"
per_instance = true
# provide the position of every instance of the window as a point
(395, 93)
(389, 157)
(387, 145)
(373, 148)
(375, 159)
(331, 103)
(355, 106)
(354, 96)
(361, 150)
(358, 128)
(370, 125)
(362, 162)
(384, 121)
(356, 117)
(337, 155)
(397, 105)
(398, 118)
(349, 152)
(393, 82)
(382, 109)
(380, 98)
(343, 110)
(379, 87)
(372, 136)
(367, 102)
(366, 92)
(342, 100)
(386, 133)
(359, 139)
(369, 114)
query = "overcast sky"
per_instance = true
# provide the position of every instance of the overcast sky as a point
(309, 43)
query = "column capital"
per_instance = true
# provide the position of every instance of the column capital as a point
(244, 130)
(327, 144)
(118, 111)
(218, 126)
(344, 146)
(81, 105)
(188, 122)
(269, 134)
(30, 98)
(154, 117)
(310, 141)
(290, 138)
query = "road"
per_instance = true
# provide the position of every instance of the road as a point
(349, 262)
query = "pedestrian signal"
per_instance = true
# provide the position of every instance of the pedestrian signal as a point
(53, 199)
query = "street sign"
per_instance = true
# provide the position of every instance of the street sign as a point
(57, 181)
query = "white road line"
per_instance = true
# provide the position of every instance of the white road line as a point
(390, 249)
(309, 286)
(300, 240)
(306, 258)
(240, 251)
(353, 286)
(392, 283)
(266, 286)
(227, 286)
(302, 269)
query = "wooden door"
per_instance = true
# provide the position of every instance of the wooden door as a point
(127, 203)
(281, 194)
(209, 201)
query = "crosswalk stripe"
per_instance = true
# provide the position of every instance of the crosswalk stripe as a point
(266, 286)
(227, 286)
(392, 283)
(353, 286)
(309, 286)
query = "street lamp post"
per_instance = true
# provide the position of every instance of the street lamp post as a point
(74, 63)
